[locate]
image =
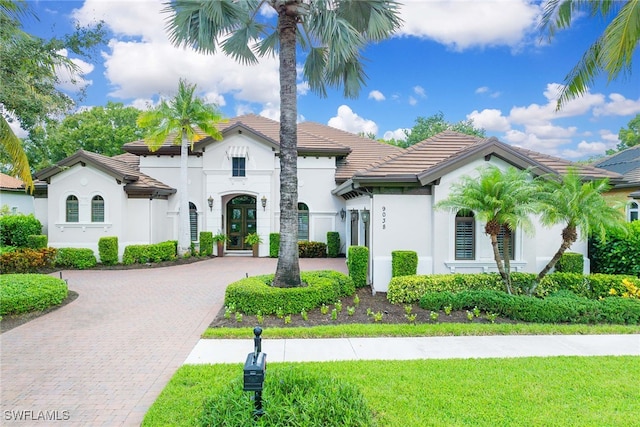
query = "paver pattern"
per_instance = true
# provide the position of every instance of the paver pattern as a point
(103, 359)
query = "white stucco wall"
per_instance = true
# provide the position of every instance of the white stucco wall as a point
(17, 201)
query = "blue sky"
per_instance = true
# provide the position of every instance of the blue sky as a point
(470, 59)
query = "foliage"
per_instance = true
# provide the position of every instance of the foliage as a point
(27, 260)
(426, 127)
(619, 253)
(16, 229)
(255, 294)
(274, 244)
(140, 254)
(631, 290)
(630, 136)
(80, 258)
(570, 262)
(312, 250)
(206, 243)
(108, 250)
(253, 239)
(358, 265)
(333, 244)
(220, 237)
(404, 263)
(22, 293)
(37, 241)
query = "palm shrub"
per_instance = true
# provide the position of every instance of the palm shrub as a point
(333, 244)
(404, 263)
(108, 250)
(358, 265)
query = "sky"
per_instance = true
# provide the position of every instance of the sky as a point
(484, 60)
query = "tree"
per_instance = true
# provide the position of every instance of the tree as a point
(179, 120)
(331, 32)
(426, 127)
(611, 53)
(504, 200)
(579, 206)
(630, 137)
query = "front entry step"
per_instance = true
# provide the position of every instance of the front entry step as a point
(239, 253)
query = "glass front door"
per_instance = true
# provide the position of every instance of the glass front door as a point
(241, 220)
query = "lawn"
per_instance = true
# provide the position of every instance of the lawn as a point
(556, 391)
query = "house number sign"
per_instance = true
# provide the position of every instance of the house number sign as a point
(384, 218)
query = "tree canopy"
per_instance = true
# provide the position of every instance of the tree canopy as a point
(426, 127)
(630, 136)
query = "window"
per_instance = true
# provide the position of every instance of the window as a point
(303, 221)
(97, 209)
(633, 208)
(193, 222)
(72, 209)
(512, 239)
(465, 243)
(238, 166)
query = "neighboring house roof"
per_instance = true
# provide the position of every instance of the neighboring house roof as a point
(626, 163)
(8, 182)
(123, 168)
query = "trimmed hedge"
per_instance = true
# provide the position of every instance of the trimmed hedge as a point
(22, 293)
(333, 244)
(404, 263)
(358, 265)
(108, 250)
(619, 253)
(37, 241)
(140, 254)
(27, 260)
(79, 258)
(570, 262)
(274, 245)
(16, 229)
(255, 294)
(206, 243)
(312, 250)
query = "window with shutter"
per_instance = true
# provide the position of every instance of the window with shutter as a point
(303, 221)
(512, 241)
(97, 209)
(193, 222)
(72, 209)
(465, 236)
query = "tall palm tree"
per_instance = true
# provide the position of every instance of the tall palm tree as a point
(331, 32)
(504, 200)
(579, 206)
(179, 120)
(612, 51)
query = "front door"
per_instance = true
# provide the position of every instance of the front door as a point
(241, 220)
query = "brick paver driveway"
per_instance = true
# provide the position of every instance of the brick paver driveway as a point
(104, 358)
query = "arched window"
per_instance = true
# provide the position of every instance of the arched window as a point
(193, 222)
(632, 211)
(97, 209)
(71, 209)
(303, 221)
(465, 244)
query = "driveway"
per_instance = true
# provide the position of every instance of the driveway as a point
(105, 358)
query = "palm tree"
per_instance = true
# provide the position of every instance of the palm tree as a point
(331, 32)
(180, 120)
(613, 50)
(579, 206)
(504, 200)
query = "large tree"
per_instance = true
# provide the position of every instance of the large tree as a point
(503, 199)
(332, 33)
(630, 136)
(426, 127)
(611, 53)
(179, 120)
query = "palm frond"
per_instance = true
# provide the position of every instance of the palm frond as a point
(13, 147)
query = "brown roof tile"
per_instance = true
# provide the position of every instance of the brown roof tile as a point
(10, 183)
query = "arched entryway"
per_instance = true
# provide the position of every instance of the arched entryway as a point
(241, 220)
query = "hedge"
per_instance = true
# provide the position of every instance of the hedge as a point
(333, 244)
(206, 243)
(274, 245)
(570, 262)
(108, 250)
(27, 260)
(16, 229)
(22, 293)
(619, 253)
(255, 294)
(140, 254)
(37, 241)
(79, 258)
(312, 250)
(358, 265)
(404, 263)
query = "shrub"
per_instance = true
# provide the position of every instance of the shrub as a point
(140, 254)
(22, 293)
(358, 265)
(619, 253)
(79, 258)
(333, 244)
(312, 250)
(108, 250)
(274, 245)
(570, 262)
(37, 241)
(409, 289)
(206, 243)
(27, 260)
(404, 263)
(16, 229)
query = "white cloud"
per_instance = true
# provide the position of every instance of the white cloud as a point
(419, 90)
(489, 119)
(398, 134)
(585, 149)
(412, 100)
(619, 106)
(376, 95)
(73, 80)
(483, 89)
(351, 122)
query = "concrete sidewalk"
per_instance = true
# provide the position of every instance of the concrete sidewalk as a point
(210, 351)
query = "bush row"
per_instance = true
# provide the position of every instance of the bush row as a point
(140, 254)
(312, 250)
(80, 258)
(27, 260)
(255, 294)
(560, 307)
(22, 293)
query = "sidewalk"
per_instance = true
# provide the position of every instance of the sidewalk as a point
(210, 351)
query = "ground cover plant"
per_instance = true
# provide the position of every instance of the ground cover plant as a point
(22, 293)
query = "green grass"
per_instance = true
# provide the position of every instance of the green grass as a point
(557, 391)
(422, 330)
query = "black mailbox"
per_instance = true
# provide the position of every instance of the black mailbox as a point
(254, 369)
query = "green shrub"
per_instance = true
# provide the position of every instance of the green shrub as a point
(141, 254)
(255, 294)
(333, 244)
(206, 243)
(22, 293)
(409, 289)
(108, 250)
(404, 263)
(274, 245)
(358, 265)
(16, 229)
(27, 260)
(37, 241)
(312, 250)
(79, 258)
(570, 262)
(619, 253)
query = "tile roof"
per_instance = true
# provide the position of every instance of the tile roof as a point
(626, 163)
(10, 183)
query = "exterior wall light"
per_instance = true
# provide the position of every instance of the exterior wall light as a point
(264, 203)
(366, 215)
(343, 214)
(210, 201)
(354, 215)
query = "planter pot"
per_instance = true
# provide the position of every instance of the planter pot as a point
(220, 248)
(255, 250)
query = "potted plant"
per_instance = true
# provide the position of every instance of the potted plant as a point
(254, 240)
(220, 239)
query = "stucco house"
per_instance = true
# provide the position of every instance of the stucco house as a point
(627, 164)
(372, 193)
(13, 196)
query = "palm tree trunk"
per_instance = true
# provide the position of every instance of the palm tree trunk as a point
(288, 268)
(569, 236)
(184, 241)
(506, 278)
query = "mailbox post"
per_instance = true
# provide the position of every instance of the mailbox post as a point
(254, 370)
